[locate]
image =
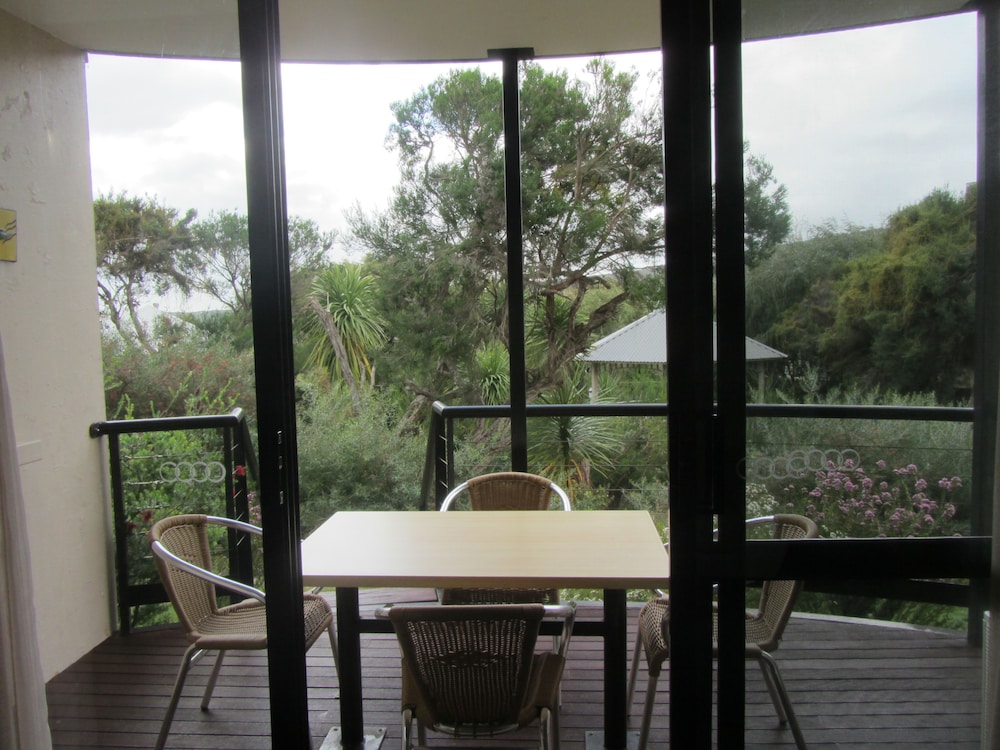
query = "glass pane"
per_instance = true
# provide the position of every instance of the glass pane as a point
(860, 172)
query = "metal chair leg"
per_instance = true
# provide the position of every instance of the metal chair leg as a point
(647, 711)
(633, 673)
(407, 729)
(545, 727)
(210, 687)
(190, 656)
(772, 675)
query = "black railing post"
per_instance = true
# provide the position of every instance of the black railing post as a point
(437, 461)
(121, 534)
(449, 451)
(240, 465)
(240, 550)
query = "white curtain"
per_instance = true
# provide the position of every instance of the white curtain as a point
(24, 721)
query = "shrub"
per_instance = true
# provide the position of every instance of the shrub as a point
(354, 459)
(850, 501)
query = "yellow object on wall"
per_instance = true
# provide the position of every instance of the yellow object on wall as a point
(8, 234)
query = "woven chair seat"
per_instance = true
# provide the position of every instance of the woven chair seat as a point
(763, 629)
(184, 560)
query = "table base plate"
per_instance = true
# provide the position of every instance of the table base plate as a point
(373, 739)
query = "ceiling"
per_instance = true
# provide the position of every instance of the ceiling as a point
(425, 30)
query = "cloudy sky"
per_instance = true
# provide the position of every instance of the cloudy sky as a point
(856, 124)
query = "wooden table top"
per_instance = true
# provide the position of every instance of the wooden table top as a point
(487, 549)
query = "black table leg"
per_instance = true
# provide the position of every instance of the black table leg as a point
(615, 675)
(352, 718)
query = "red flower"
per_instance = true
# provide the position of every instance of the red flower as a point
(239, 471)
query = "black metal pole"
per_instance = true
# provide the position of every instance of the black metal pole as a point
(987, 374)
(515, 252)
(275, 375)
(121, 537)
(729, 492)
(687, 86)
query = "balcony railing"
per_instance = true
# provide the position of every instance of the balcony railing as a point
(799, 461)
(206, 464)
(202, 464)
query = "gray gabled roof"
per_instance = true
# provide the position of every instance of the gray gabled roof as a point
(644, 342)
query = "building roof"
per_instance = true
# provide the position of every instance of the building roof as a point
(644, 342)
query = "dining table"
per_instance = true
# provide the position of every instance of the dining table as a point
(608, 550)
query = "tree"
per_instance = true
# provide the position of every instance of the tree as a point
(346, 326)
(905, 317)
(766, 217)
(791, 297)
(221, 266)
(143, 249)
(592, 190)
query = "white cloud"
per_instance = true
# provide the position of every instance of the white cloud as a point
(860, 123)
(856, 124)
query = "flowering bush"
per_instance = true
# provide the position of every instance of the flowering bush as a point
(849, 501)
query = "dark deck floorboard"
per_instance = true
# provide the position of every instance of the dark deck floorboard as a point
(853, 685)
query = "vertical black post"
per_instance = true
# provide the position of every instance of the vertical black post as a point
(121, 537)
(686, 35)
(987, 374)
(615, 673)
(351, 695)
(515, 253)
(730, 432)
(272, 330)
(237, 504)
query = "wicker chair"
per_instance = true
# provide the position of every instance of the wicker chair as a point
(508, 490)
(183, 558)
(763, 628)
(472, 671)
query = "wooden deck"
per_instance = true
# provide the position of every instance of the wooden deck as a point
(853, 684)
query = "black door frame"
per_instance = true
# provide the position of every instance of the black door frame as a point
(707, 431)
(706, 438)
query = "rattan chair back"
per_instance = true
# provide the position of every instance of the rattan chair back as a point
(777, 598)
(187, 537)
(506, 490)
(472, 670)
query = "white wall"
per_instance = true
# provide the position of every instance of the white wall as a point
(50, 329)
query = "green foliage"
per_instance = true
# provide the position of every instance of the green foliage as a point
(221, 266)
(346, 327)
(905, 318)
(788, 295)
(914, 613)
(142, 249)
(188, 377)
(353, 459)
(849, 501)
(492, 372)
(591, 177)
(766, 218)
(893, 308)
(570, 449)
(832, 470)
(164, 474)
